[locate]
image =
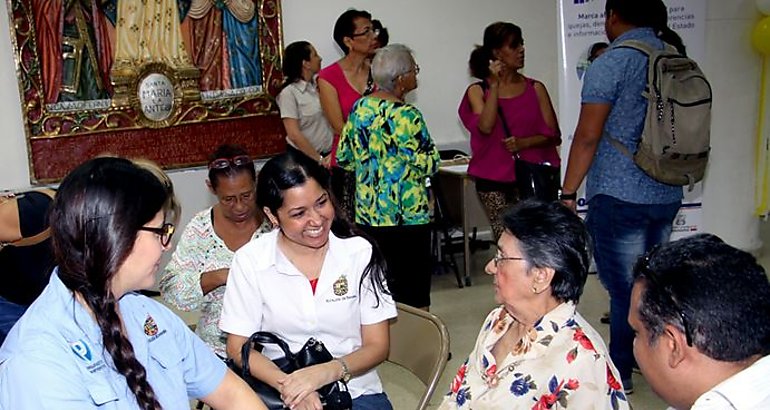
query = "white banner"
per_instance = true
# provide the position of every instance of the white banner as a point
(581, 25)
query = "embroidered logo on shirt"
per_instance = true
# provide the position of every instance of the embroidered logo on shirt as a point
(341, 286)
(81, 349)
(150, 327)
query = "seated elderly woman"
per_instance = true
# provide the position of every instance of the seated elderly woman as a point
(386, 143)
(535, 349)
(196, 275)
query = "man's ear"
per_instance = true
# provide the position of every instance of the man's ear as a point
(675, 344)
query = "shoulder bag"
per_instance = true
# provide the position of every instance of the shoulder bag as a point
(334, 396)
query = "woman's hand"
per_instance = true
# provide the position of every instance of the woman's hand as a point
(495, 67)
(514, 144)
(311, 402)
(298, 385)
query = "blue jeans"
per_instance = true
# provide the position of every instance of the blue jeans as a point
(9, 315)
(377, 401)
(621, 232)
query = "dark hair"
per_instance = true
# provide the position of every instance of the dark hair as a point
(95, 219)
(478, 63)
(294, 55)
(595, 48)
(289, 170)
(646, 13)
(552, 236)
(229, 151)
(500, 34)
(721, 292)
(345, 26)
(384, 37)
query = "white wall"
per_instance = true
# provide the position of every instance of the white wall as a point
(442, 34)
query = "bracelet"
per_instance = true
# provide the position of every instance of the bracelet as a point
(345, 370)
(568, 197)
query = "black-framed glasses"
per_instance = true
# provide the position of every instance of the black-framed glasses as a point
(667, 292)
(165, 232)
(369, 31)
(224, 163)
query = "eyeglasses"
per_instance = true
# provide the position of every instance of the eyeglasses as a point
(498, 258)
(224, 163)
(165, 232)
(416, 70)
(373, 32)
(666, 291)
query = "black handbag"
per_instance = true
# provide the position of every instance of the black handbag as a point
(541, 181)
(334, 396)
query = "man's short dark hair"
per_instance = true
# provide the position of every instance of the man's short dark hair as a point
(709, 289)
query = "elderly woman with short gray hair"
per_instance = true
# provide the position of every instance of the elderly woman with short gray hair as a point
(386, 143)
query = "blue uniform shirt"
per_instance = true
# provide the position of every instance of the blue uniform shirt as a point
(618, 77)
(53, 358)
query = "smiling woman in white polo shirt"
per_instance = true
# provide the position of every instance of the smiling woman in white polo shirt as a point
(312, 277)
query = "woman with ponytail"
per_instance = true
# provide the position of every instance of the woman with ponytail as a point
(315, 275)
(90, 341)
(307, 130)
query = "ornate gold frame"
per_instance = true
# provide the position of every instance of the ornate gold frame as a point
(60, 136)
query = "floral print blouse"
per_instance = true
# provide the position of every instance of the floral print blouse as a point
(562, 363)
(387, 145)
(200, 250)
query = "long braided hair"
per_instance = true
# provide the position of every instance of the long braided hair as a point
(95, 219)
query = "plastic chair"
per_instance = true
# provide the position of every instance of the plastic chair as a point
(419, 342)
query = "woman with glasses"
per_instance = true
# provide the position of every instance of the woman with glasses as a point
(195, 277)
(387, 145)
(510, 118)
(344, 82)
(90, 340)
(306, 127)
(535, 350)
(313, 276)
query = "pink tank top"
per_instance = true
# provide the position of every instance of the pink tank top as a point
(490, 160)
(346, 94)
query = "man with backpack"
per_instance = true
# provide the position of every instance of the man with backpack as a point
(628, 210)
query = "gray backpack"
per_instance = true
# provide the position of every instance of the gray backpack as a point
(674, 147)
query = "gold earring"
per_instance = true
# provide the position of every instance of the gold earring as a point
(534, 289)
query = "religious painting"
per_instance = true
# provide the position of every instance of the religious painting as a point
(167, 80)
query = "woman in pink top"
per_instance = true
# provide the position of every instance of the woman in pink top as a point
(342, 84)
(528, 113)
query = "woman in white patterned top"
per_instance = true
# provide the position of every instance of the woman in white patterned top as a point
(195, 277)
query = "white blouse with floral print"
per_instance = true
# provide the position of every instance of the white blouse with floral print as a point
(560, 364)
(200, 250)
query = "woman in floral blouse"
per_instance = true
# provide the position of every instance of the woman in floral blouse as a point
(536, 351)
(386, 143)
(196, 275)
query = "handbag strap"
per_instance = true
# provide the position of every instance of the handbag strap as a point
(485, 87)
(258, 340)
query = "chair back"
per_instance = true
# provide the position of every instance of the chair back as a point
(419, 342)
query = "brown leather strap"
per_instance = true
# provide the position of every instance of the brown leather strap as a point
(32, 240)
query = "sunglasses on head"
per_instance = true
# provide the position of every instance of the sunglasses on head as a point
(224, 163)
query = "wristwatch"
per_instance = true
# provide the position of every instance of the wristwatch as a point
(567, 197)
(345, 370)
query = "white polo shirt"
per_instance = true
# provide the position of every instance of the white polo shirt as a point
(266, 292)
